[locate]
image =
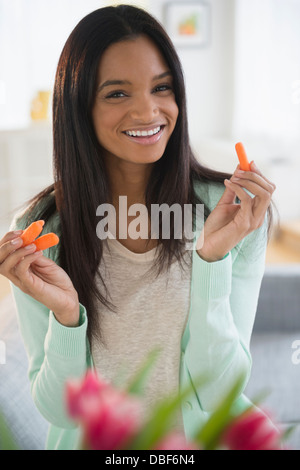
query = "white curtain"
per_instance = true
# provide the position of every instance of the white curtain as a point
(267, 76)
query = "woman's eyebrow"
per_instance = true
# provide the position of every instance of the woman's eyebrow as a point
(127, 82)
(162, 75)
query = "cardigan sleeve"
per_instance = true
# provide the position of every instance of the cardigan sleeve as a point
(224, 296)
(55, 353)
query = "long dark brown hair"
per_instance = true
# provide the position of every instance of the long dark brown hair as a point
(80, 180)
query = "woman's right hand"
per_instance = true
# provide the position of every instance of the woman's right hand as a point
(39, 277)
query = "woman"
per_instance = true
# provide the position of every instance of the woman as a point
(120, 129)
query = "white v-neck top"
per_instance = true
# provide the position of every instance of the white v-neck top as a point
(151, 313)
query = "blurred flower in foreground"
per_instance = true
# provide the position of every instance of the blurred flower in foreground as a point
(176, 441)
(252, 430)
(109, 417)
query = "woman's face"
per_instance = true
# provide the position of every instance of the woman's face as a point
(135, 111)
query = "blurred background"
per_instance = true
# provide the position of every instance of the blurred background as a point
(242, 70)
(241, 60)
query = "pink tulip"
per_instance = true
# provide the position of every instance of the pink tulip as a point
(108, 416)
(115, 422)
(252, 430)
(176, 441)
(83, 395)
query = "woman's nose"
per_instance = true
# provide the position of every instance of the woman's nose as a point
(144, 109)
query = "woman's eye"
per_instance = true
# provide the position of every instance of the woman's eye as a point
(116, 94)
(161, 88)
(120, 94)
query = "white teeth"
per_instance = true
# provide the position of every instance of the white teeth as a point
(143, 133)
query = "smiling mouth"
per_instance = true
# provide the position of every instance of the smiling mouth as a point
(144, 133)
(149, 136)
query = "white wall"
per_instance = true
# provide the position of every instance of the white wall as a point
(32, 34)
(209, 73)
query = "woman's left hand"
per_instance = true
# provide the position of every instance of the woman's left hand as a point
(229, 222)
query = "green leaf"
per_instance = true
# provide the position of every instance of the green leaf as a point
(136, 386)
(288, 432)
(7, 441)
(208, 436)
(159, 424)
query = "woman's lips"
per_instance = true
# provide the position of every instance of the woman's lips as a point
(146, 140)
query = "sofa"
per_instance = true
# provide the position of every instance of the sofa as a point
(275, 348)
(275, 378)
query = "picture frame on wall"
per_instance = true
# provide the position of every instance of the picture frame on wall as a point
(188, 23)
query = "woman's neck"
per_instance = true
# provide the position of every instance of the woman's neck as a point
(128, 179)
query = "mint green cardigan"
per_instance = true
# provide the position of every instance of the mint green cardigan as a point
(215, 343)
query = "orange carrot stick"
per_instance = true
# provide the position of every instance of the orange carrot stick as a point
(46, 241)
(32, 232)
(242, 156)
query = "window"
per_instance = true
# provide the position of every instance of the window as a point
(267, 79)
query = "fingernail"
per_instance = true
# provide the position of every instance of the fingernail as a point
(253, 164)
(38, 253)
(29, 247)
(16, 241)
(18, 232)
